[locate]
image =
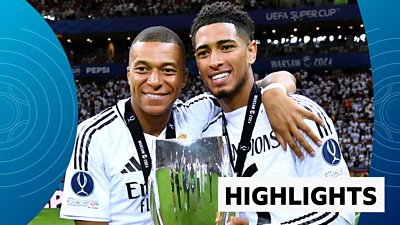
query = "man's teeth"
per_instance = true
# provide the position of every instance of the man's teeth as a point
(154, 95)
(219, 76)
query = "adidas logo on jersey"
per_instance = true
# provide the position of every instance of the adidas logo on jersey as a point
(131, 166)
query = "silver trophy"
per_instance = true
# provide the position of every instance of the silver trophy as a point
(184, 186)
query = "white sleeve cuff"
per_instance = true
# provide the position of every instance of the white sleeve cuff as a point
(274, 85)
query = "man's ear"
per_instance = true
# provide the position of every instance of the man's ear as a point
(128, 74)
(252, 52)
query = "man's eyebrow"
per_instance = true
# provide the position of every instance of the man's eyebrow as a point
(169, 64)
(139, 62)
(219, 43)
(201, 47)
(143, 62)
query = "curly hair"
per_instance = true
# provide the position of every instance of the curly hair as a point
(224, 12)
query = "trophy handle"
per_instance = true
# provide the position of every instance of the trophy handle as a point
(159, 218)
(226, 171)
(223, 218)
(155, 204)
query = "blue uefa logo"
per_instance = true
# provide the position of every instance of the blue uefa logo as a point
(82, 184)
(331, 152)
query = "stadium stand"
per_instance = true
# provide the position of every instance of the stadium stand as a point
(348, 100)
(94, 9)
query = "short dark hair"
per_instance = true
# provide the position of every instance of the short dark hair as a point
(224, 12)
(160, 34)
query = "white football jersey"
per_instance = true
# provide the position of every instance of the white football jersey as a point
(267, 159)
(104, 180)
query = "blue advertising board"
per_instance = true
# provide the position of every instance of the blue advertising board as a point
(183, 22)
(317, 61)
(263, 64)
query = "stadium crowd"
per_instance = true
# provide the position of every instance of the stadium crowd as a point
(339, 44)
(347, 98)
(97, 53)
(79, 51)
(94, 9)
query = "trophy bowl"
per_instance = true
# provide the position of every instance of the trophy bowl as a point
(184, 187)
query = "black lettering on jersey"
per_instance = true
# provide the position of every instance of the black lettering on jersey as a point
(260, 144)
(139, 191)
(257, 145)
(274, 139)
(144, 205)
(131, 187)
(266, 141)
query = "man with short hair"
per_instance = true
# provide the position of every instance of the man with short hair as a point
(225, 49)
(107, 179)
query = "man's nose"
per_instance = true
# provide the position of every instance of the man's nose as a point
(215, 60)
(155, 79)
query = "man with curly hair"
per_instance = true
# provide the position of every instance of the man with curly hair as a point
(225, 49)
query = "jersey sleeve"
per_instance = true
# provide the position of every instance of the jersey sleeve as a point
(86, 188)
(328, 160)
(198, 111)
